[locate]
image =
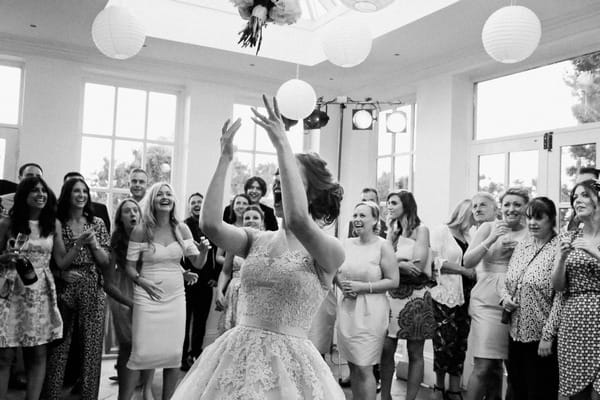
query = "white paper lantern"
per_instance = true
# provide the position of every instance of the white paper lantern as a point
(367, 5)
(511, 34)
(117, 33)
(296, 99)
(346, 41)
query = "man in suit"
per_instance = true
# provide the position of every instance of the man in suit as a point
(199, 295)
(138, 183)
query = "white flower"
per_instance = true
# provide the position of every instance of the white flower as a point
(285, 12)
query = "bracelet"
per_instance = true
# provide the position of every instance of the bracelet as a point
(485, 247)
(136, 278)
(370, 287)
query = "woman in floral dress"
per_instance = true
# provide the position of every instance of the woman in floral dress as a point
(29, 316)
(577, 274)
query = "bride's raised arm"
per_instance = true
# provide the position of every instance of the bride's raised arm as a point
(326, 250)
(224, 235)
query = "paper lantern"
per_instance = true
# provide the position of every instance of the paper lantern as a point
(511, 34)
(367, 5)
(296, 99)
(346, 41)
(117, 33)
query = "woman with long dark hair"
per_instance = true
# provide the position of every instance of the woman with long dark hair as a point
(127, 216)
(411, 315)
(29, 316)
(158, 320)
(283, 281)
(577, 275)
(82, 299)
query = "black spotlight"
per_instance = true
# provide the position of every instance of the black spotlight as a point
(316, 120)
(288, 123)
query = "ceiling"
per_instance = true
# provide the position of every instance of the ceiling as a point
(446, 41)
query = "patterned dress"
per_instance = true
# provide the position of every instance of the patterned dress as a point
(411, 307)
(29, 315)
(579, 329)
(267, 356)
(229, 316)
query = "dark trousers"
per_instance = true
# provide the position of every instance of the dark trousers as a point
(532, 377)
(198, 299)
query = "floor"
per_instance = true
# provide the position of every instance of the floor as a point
(109, 389)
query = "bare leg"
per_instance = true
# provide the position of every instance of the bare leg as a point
(387, 367)
(170, 376)
(7, 355)
(363, 382)
(416, 366)
(35, 363)
(147, 378)
(128, 379)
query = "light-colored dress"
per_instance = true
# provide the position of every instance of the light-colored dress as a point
(363, 321)
(411, 308)
(29, 315)
(267, 356)
(323, 324)
(489, 336)
(229, 316)
(158, 326)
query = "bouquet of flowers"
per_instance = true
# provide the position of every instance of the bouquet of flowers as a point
(259, 12)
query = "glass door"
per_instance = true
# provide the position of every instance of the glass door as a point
(571, 150)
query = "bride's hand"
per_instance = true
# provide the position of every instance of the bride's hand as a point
(227, 133)
(273, 123)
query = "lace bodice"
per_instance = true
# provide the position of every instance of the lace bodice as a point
(282, 291)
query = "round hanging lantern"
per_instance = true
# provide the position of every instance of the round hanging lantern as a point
(511, 34)
(296, 99)
(367, 5)
(117, 33)
(346, 42)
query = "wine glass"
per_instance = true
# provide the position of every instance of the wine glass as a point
(20, 242)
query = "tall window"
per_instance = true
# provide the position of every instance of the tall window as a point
(125, 128)
(255, 155)
(395, 153)
(10, 94)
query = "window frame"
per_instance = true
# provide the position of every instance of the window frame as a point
(21, 66)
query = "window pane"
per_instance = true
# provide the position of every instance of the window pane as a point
(240, 171)
(244, 138)
(162, 114)
(159, 160)
(384, 141)
(95, 156)
(128, 155)
(523, 170)
(10, 82)
(131, 113)
(555, 96)
(384, 176)
(571, 159)
(98, 109)
(265, 167)
(99, 197)
(403, 144)
(491, 173)
(564, 216)
(401, 172)
(296, 137)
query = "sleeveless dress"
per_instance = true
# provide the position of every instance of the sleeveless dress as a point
(267, 356)
(579, 327)
(229, 315)
(158, 326)
(363, 321)
(29, 315)
(489, 336)
(411, 307)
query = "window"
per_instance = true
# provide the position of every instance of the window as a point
(125, 128)
(500, 171)
(559, 95)
(395, 153)
(10, 94)
(255, 155)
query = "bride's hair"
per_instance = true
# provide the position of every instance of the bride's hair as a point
(323, 192)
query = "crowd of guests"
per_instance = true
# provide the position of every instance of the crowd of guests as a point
(497, 277)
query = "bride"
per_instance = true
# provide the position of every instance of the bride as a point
(284, 279)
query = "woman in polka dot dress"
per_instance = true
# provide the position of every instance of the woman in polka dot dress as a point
(577, 273)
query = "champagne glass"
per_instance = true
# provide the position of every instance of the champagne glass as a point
(20, 242)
